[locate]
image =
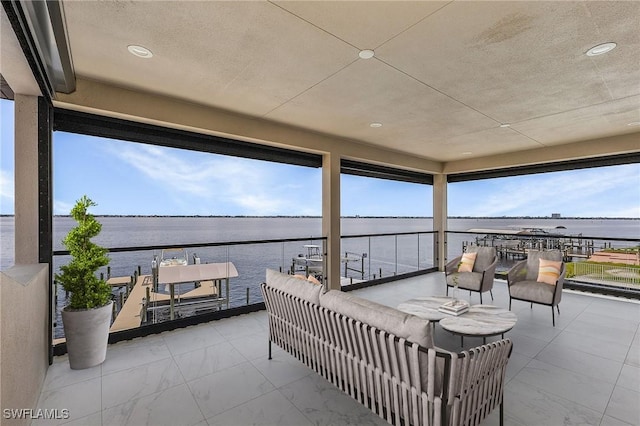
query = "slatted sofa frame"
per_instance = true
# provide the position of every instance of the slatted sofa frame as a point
(386, 373)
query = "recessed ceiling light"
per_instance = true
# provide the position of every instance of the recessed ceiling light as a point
(467, 153)
(503, 125)
(601, 48)
(139, 51)
(366, 54)
(634, 123)
(375, 125)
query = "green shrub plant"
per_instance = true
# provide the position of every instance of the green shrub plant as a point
(78, 277)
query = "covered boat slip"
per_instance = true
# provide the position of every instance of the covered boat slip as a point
(208, 293)
(180, 274)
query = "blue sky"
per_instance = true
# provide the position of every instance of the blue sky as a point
(130, 178)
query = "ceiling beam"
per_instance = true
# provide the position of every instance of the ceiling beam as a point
(593, 148)
(112, 101)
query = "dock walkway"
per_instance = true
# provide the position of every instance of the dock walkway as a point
(129, 315)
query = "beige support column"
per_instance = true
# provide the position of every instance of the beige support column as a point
(24, 352)
(26, 179)
(440, 218)
(331, 217)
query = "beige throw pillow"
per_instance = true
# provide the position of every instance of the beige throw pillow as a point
(549, 271)
(467, 261)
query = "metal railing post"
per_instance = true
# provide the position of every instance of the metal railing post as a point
(396, 247)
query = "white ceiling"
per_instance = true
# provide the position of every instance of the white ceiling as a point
(444, 77)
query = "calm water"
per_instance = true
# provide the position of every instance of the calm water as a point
(385, 255)
(159, 231)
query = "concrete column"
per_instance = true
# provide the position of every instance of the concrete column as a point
(24, 326)
(331, 217)
(26, 179)
(440, 215)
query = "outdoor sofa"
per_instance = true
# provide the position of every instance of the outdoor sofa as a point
(384, 358)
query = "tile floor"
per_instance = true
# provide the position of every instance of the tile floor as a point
(585, 371)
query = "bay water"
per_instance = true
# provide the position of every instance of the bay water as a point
(385, 256)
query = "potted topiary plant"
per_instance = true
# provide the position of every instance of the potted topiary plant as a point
(87, 317)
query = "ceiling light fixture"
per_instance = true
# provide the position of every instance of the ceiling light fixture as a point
(634, 123)
(366, 54)
(504, 125)
(467, 153)
(375, 125)
(139, 51)
(601, 48)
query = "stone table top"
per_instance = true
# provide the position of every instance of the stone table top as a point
(480, 320)
(426, 307)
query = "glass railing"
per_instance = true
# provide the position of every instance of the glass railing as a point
(375, 256)
(230, 273)
(142, 297)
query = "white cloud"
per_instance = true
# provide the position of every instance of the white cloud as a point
(62, 207)
(633, 211)
(6, 192)
(593, 192)
(211, 184)
(6, 185)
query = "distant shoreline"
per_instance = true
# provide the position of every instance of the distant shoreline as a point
(352, 217)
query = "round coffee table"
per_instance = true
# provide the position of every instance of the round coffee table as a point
(480, 321)
(426, 307)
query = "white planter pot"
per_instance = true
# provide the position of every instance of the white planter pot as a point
(87, 334)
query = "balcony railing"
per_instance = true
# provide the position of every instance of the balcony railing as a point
(387, 255)
(145, 304)
(582, 254)
(365, 258)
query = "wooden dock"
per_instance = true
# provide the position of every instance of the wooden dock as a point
(572, 247)
(119, 281)
(129, 315)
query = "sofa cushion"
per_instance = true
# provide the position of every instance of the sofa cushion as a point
(533, 261)
(382, 317)
(532, 290)
(294, 286)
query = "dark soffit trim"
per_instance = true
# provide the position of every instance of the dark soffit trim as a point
(356, 168)
(45, 203)
(20, 27)
(614, 160)
(5, 90)
(116, 128)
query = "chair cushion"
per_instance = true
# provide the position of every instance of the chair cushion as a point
(549, 271)
(533, 291)
(467, 261)
(298, 287)
(382, 317)
(485, 257)
(533, 261)
(466, 280)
